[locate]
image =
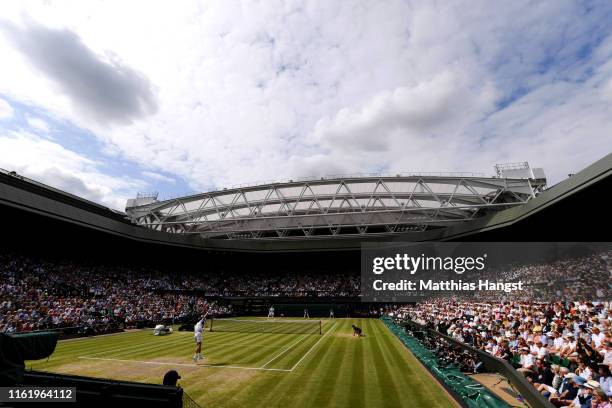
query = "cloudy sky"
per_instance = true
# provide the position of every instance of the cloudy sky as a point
(109, 98)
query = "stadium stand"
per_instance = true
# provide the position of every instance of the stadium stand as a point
(87, 298)
(536, 338)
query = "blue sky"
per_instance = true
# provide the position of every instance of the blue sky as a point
(105, 100)
(36, 122)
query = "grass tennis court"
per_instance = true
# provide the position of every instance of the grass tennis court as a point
(263, 369)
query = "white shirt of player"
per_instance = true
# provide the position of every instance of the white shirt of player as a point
(198, 329)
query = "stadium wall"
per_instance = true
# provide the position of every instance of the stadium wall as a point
(96, 392)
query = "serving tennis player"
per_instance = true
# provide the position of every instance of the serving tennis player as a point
(198, 334)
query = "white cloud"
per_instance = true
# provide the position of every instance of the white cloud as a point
(560, 127)
(158, 177)
(50, 163)
(255, 91)
(423, 111)
(103, 89)
(37, 123)
(6, 111)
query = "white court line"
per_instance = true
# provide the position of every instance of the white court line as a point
(311, 348)
(97, 335)
(284, 351)
(262, 368)
(114, 350)
(245, 345)
(184, 364)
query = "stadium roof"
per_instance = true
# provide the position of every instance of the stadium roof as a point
(33, 210)
(341, 205)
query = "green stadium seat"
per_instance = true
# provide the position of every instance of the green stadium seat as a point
(473, 394)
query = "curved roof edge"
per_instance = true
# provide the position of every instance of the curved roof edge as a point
(24, 194)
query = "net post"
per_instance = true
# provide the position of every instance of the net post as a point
(212, 320)
(320, 332)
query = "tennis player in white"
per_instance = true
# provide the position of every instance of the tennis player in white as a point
(198, 334)
(271, 312)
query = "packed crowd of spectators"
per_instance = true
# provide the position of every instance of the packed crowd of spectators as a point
(587, 277)
(580, 277)
(38, 294)
(563, 348)
(249, 284)
(576, 278)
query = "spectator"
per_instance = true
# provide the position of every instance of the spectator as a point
(605, 379)
(171, 377)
